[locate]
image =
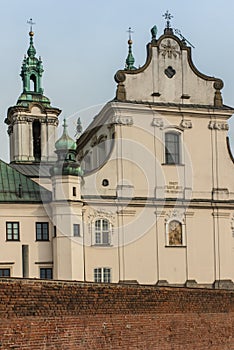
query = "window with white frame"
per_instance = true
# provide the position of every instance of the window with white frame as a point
(102, 232)
(12, 231)
(102, 275)
(175, 233)
(172, 148)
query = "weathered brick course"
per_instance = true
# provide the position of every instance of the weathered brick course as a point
(71, 315)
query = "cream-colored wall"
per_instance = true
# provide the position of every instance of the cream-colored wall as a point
(139, 249)
(21, 137)
(40, 253)
(137, 163)
(137, 158)
(143, 193)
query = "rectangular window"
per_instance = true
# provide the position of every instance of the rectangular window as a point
(74, 191)
(102, 232)
(172, 148)
(102, 274)
(5, 273)
(12, 231)
(46, 273)
(76, 230)
(98, 275)
(55, 231)
(42, 231)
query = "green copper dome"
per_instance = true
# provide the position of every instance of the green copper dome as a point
(66, 152)
(31, 74)
(130, 58)
(65, 142)
(31, 50)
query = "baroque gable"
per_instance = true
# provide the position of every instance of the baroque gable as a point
(168, 76)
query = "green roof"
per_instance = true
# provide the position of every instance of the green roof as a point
(16, 187)
(65, 142)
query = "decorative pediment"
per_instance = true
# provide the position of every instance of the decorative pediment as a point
(168, 76)
(175, 214)
(93, 214)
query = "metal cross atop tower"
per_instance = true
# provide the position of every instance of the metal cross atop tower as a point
(168, 16)
(31, 24)
(130, 31)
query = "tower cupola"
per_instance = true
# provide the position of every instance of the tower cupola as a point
(31, 74)
(130, 58)
(32, 122)
(66, 152)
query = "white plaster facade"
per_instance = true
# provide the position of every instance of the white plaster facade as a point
(141, 215)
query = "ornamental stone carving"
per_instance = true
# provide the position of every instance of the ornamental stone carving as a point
(158, 122)
(21, 119)
(30, 119)
(122, 120)
(186, 124)
(175, 214)
(100, 214)
(214, 125)
(169, 50)
(53, 122)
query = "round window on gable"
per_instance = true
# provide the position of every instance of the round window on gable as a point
(105, 182)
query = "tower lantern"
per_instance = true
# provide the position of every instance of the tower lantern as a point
(32, 122)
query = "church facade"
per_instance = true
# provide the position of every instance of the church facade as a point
(145, 195)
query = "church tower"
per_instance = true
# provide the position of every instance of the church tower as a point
(32, 122)
(66, 175)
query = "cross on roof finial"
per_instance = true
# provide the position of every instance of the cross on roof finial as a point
(168, 16)
(31, 24)
(130, 31)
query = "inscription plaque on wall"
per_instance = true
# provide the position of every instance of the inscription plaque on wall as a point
(173, 187)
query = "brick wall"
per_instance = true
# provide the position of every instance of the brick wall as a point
(70, 315)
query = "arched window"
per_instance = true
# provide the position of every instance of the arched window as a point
(101, 150)
(172, 148)
(102, 232)
(175, 233)
(33, 83)
(86, 162)
(37, 140)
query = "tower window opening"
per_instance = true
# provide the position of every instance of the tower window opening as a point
(37, 140)
(33, 83)
(74, 191)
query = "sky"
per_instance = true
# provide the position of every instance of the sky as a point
(83, 44)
